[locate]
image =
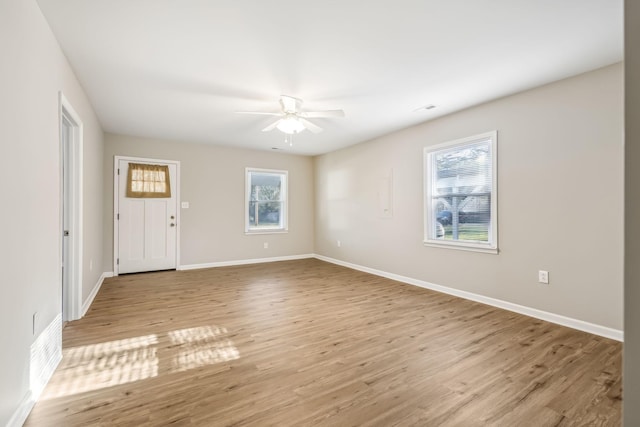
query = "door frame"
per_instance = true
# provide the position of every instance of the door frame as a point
(116, 204)
(73, 290)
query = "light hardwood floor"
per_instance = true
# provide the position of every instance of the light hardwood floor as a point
(305, 342)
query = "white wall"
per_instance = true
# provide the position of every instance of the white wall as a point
(560, 157)
(32, 72)
(631, 382)
(212, 181)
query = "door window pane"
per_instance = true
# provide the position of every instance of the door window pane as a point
(148, 181)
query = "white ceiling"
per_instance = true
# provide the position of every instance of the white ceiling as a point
(180, 69)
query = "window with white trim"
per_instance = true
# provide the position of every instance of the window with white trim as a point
(266, 201)
(460, 198)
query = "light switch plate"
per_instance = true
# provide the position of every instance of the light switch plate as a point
(185, 205)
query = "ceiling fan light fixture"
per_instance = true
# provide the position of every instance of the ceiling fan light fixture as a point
(290, 125)
(292, 119)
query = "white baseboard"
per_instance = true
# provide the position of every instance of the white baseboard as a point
(22, 412)
(94, 292)
(592, 328)
(244, 261)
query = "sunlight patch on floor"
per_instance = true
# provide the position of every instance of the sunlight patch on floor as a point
(201, 346)
(97, 366)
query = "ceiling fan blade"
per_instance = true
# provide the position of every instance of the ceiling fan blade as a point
(290, 104)
(272, 126)
(325, 113)
(312, 127)
(259, 112)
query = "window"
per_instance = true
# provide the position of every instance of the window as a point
(266, 201)
(460, 201)
(148, 181)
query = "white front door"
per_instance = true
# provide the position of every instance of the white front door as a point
(146, 226)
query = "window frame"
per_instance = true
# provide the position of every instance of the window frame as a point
(284, 199)
(429, 214)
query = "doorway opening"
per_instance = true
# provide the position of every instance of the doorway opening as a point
(71, 130)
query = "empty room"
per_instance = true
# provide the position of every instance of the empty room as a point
(286, 213)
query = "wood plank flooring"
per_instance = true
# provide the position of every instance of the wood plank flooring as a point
(301, 343)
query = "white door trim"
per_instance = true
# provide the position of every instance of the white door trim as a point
(74, 291)
(116, 203)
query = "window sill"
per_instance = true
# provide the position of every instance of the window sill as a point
(279, 231)
(460, 247)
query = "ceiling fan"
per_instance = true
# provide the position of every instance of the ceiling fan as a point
(292, 119)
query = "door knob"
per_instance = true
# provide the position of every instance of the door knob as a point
(172, 224)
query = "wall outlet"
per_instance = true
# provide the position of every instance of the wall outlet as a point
(543, 276)
(339, 243)
(266, 245)
(184, 205)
